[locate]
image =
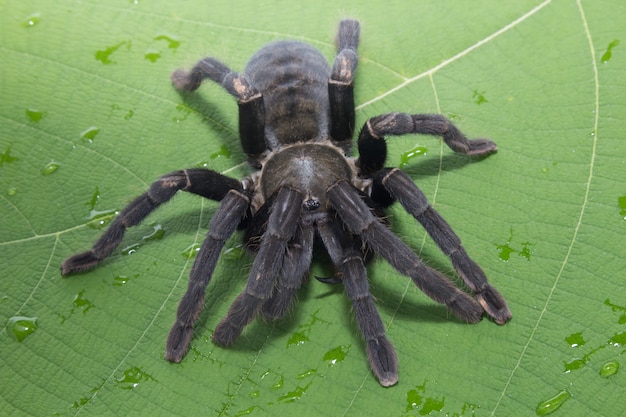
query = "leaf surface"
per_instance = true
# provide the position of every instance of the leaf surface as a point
(89, 119)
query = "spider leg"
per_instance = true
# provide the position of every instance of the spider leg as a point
(359, 219)
(348, 259)
(281, 228)
(415, 202)
(224, 222)
(373, 151)
(341, 86)
(250, 101)
(296, 264)
(199, 181)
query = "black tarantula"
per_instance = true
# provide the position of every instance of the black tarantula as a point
(296, 120)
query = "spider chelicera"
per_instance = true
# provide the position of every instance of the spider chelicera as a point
(296, 121)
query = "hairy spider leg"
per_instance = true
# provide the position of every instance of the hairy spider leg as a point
(224, 222)
(359, 219)
(203, 182)
(373, 150)
(414, 202)
(296, 264)
(249, 100)
(348, 259)
(281, 228)
(341, 85)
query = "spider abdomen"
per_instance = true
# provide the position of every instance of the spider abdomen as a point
(310, 168)
(293, 79)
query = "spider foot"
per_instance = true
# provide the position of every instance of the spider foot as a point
(241, 312)
(178, 342)
(494, 304)
(183, 81)
(383, 360)
(479, 147)
(225, 334)
(79, 263)
(466, 308)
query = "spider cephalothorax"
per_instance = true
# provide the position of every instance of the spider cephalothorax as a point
(296, 121)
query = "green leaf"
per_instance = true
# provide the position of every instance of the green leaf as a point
(89, 119)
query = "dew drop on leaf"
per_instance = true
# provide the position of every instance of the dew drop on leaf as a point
(609, 51)
(575, 340)
(152, 55)
(622, 205)
(550, 405)
(609, 369)
(191, 251)
(89, 134)
(172, 43)
(132, 377)
(21, 327)
(336, 355)
(49, 168)
(130, 249)
(31, 20)
(416, 151)
(34, 115)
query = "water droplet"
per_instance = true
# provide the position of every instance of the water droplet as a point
(157, 233)
(152, 55)
(127, 116)
(21, 327)
(35, 115)
(298, 338)
(105, 54)
(183, 111)
(415, 399)
(130, 249)
(6, 158)
(12, 191)
(306, 374)
(255, 394)
(222, 153)
(89, 134)
(575, 364)
(550, 405)
(609, 51)
(280, 380)
(132, 377)
(609, 369)
(81, 303)
(304, 330)
(120, 280)
(479, 97)
(336, 355)
(615, 307)
(618, 339)
(416, 151)
(191, 251)
(98, 219)
(575, 340)
(50, 168)
(506, 250)
(621, 201)
(294, 395)
(235, 252)
(31, 20)
(172, 43)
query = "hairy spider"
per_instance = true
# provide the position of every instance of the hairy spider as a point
(296, 120)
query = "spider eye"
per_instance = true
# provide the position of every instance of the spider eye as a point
(311, 204)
